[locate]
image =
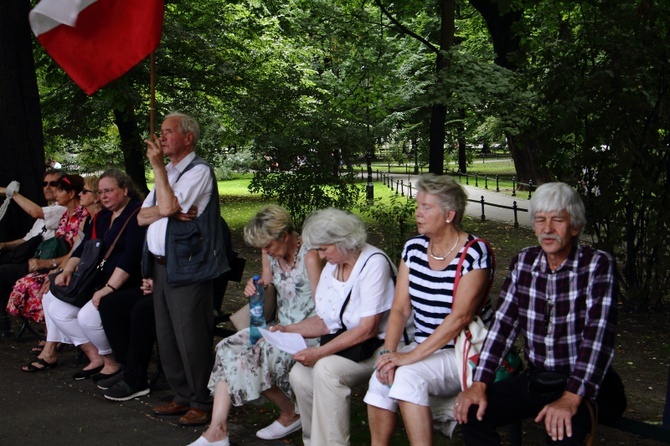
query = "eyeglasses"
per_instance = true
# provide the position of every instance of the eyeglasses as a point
(107, 191)
(548, 313)
(85, 191)
(50, 183)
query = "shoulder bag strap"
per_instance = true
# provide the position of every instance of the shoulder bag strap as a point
(111, 248)
(459, 267)
(346, 301)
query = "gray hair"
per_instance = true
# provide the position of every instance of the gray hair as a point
(187, 124)
(556, 197)
(334, 227)
(450, 194)
(123, 181)
(270, 223)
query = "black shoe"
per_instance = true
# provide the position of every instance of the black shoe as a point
(86, 374)
(107, 381)
(122, 391)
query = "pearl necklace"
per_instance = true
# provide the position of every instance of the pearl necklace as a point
(430, 250)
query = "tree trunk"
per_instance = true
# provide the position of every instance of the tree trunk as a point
(22, 149)
(462, 143)
(523, 153)
(131, 145)
(438, 113)
(524, 149)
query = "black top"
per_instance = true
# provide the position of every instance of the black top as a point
(127, 253)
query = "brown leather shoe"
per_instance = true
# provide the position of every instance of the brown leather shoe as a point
(195, 417)
(171, 408)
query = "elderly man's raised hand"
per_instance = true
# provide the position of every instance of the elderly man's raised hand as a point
(154, 150)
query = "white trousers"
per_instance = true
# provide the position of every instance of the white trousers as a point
(53, 332)
(323, 393)
(80, 325)
(415, 383)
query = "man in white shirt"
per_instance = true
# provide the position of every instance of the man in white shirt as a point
(14, 266)
(184, 313)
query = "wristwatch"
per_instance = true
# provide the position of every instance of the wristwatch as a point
(53, 263)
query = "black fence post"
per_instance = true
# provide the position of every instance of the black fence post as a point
(402, 189)
(497, 183)
(514, 186)
(467, 178)
(530, 188)
(476, 180)
(397, 186)
(516, 216)
(486, 181)
(389, 167)
(483, 214)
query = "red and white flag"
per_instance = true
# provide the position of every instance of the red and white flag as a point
(97, 41)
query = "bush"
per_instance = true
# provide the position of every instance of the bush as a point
(395, 220)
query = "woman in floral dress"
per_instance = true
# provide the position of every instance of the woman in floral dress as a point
(25, 299)
(243, 372)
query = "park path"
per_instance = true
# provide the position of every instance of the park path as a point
(498, 206)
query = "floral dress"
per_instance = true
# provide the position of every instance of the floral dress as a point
(23, 299)
(250, 370)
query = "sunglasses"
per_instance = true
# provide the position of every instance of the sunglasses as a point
(50, 183)
(85, 191)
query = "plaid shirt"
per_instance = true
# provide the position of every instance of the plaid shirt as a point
(567, 317)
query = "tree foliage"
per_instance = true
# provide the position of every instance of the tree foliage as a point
(605, 117)
(305, 89)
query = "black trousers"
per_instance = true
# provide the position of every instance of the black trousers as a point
(509, 401)
(128, 319)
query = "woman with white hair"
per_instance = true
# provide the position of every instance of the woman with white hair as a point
(353, 299)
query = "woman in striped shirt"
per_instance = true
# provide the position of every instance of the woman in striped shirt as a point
(408, 375)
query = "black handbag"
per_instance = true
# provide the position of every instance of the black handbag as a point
(85, 277)
(358, 352)
(363, 350)
(89, 269)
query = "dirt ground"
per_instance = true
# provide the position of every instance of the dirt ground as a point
(642, 358)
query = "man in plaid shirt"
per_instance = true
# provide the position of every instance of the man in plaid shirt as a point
(562, 298)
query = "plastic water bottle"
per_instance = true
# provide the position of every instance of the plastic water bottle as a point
(257, 312)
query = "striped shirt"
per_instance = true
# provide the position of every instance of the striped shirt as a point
(431, 291)
(567, 317)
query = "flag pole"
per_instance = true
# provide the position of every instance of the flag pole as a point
(152, 106)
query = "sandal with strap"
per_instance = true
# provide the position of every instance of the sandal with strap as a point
(37, 350)
(32, 368)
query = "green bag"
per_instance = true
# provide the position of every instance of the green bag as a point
(511, 365)
(52, 248)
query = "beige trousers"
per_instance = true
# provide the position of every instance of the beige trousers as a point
(323, 394)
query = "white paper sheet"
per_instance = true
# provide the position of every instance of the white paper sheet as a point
(288, 342)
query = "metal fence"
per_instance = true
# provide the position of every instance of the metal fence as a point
(406, 189)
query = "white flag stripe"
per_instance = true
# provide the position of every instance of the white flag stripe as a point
(48, 14)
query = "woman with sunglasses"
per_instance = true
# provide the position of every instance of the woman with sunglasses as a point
(25, 300)
(88, 198)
